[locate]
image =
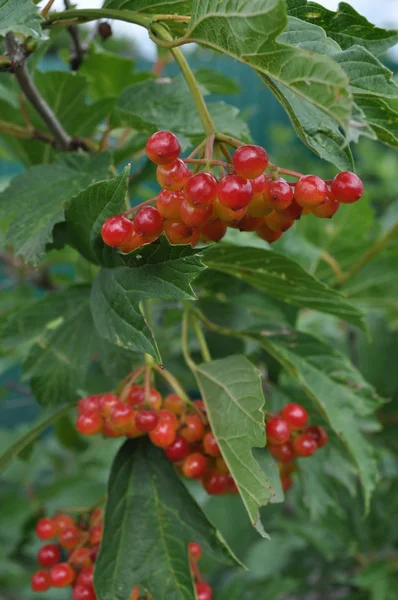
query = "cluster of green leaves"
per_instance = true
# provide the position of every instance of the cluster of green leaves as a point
(287, 312)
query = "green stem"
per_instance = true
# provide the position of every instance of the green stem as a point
(184, 341)
(163, 34)
(174, 384)
(85, 15)
(202, 340)
(228, 139)
(217, 328)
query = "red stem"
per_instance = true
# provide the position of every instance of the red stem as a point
(203, 161)
(131, 210)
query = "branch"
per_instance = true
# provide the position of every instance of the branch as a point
(17, 58)
(77, 55)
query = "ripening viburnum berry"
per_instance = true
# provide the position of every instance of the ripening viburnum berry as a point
(310, 191)
(163, 148)
(250, 161)
(347, 187)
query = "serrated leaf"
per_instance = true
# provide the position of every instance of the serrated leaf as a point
(154, 271)
(281, 278)
(20, 16)
(346, 25)
(90, 209)
(232, 392)
(168, 104)
(149, 504)
(174, 7)
(382, 116)
(35, 201)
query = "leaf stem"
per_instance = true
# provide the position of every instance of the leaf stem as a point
(184, 341)
(332, 262)
(174, 384)
(201, 339)
(84, 15)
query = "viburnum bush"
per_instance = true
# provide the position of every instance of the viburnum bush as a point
(209, 401)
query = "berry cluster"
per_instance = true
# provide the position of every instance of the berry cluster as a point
(181, 430)
(195, 206)
(70, 557)
(289, 437)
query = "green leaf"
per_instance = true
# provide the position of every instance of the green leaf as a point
(168, 104)
(89, 210)
(382, 116)
(149, 504)
(248, 31)
(35, 201)
(25, 440)
(174, 7)
(216, 82)
(20, 16)
(281, 278)
(153, 271)
(336, 388)
(107, 73)
(232, 392)
(346, 26)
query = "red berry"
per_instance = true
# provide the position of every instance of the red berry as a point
(136, 397)
(195, 550)
(259, 184)
(178, 450)
(232, 487)
(258, 207)
(284, 453)
(148, 222)
(134, 241)
(194, 466)
(117, 230)
(83, 592)
(89, 423)
(295, 415)
(169, 204)
(69, 538)
(234, 192)
(173, 176)
(293, 211)
(40, 581)
(89, 404)
(203, 591)
(210, 445)
(81, 557)
(121, 415)
(310, 190)
(179, 233)
(168, 416)
(62, 575)
(201, 189)
(174, 404)
(278, 194)
(318, 433)
(64, 522)
(95, 534)
(94, 552)
(249, 223)
(304, 445)
(215, 483)
(195, 216)
(278, 431)
(146, 420)
(164, 434)
(86, 576)
(107, 401)
(194, 429)
(286, 482)
(46, 529)
(327, 209)
(226, 214)
(265, 233)
(163, 147)
(277, 222)
(250, 161)
(48, 555)
(213, 231)
(347, 187)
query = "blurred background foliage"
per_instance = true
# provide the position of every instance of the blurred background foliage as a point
(322, 546)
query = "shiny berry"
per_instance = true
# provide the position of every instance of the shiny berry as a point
(163, 148)
(83, 592)
(62, 575)
(146, 420)
(40, 581)
(258, 207)
(164, 434)
(95, 534)
(169, 204)
(148, 222)
(89, 423)
(265, 233)
(278, 431)
(173, 176)
(295, 415)
(194, 429)
(304, 445)
(117, 230)
(136, 397)
(226, 214)
(234, 192)
(277, 222)
(48, 555)
(63, 522)
(194, 466)
(215, 483)
(134, 241)
(107, 401)
(250, 161)
(195, 216)
(174, 404)
(284, 452)
(201, 189)
(232, 487)
(327, 209)
(179, 233)
(249, 223)
(310, 190)
(86, 576)
(259, 184)
(203, 591)
(168, 416)
(69, 538)
(195, 550)
(80, 557)
(278, 194)
(46, 529)
(347, 187)
(121, 415)
(210, 445)
(293, 211)
(318, 433)
(89, 404)
(213, 231)
(178, 450)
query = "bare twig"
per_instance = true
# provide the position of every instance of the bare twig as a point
(17, 58)
(77, 55)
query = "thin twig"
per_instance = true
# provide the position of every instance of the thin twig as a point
(77, 56)
(16, 55)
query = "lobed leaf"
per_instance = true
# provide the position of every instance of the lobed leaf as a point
(20, 16)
